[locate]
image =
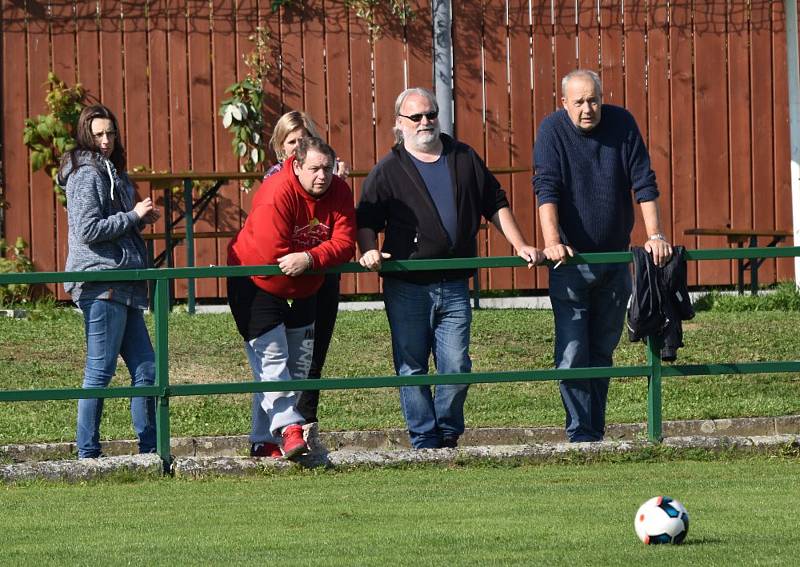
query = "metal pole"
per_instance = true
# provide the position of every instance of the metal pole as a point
(443, 63)
(792, 61)
(654, 432)
(189, 219)
(162, 372)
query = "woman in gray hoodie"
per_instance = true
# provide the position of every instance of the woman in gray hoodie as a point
(104, 234)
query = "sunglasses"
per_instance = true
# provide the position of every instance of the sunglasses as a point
(432, 115)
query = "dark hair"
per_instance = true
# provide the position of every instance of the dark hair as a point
(85, 139)
(304, 145)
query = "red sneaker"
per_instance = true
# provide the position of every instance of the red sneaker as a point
(265, 450)
(293, 443)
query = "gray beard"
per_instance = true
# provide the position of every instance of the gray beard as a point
(426, 146)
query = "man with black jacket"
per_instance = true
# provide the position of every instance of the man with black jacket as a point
(428, 195)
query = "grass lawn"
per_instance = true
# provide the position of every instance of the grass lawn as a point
(48, 352)
(743, 512)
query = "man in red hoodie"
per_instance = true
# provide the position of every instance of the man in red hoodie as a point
(302, 218)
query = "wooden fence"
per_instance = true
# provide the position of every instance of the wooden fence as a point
(705, 80)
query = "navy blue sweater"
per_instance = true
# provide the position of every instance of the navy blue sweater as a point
(591, 177)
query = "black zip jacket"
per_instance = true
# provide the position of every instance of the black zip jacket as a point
(659, 301)
(395, 199)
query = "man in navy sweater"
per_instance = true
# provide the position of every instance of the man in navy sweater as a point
(590, 162)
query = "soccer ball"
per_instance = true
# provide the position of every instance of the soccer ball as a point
(661, 520)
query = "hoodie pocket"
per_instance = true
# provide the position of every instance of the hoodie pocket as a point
(401, 241)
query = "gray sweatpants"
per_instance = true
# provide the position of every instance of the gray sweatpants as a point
(279, 354)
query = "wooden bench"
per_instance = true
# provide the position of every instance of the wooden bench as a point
(739, 237)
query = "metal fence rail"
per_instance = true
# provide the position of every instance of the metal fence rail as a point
(163, 391)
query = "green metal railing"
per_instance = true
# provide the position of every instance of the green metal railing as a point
(163, 390)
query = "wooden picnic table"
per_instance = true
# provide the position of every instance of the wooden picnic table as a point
(739, 237)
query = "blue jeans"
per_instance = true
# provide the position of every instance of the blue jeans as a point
(114, 329)
(589, 302)
(424, 319)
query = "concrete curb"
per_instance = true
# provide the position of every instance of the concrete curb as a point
(149, 466)
(238, 445)
(200, 467)
(140, 466)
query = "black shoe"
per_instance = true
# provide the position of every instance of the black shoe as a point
(449, 442)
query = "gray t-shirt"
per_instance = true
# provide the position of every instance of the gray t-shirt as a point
(436, 176)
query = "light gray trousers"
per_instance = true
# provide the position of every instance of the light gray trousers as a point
(279, 354)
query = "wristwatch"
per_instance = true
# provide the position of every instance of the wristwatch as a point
(657, 236)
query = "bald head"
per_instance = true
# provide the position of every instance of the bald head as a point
(582, 97)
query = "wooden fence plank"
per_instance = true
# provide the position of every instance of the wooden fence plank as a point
(202, 113)
(782, 156)
(179, 118)
(521, 141)
(588, 35)
(291, 26)
(225, 57)
(611, 52)
(738, 90)
(42, 200)
(270, 21)
(112, 86)
(634, 95)
(564, 20)
(390, 81)
(658, 113)
(762, 198)
(15, 171)
(546, 85)
(62, 37)
(498, 120)
(314, 61)
(468, 89)
(684, 213)
(711, 109)
(419, 45)
(363, 133)
(159, 123)
(340, 120)
(88, 46)
(249, 16)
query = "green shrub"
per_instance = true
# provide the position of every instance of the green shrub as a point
(16, 262)
(50, 136)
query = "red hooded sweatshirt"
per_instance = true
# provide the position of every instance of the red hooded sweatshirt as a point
(284, 218)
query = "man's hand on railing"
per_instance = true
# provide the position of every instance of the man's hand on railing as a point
(532, 255)
(372, 259)
(295, 264)
(558, 253)
(659, 248)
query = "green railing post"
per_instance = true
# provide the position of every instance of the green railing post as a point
(162, 371)
(654, 432)
(189, 220)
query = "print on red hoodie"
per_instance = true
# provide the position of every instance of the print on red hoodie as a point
(310, 235)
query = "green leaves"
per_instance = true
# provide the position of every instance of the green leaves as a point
(50, 136)
(16, 262)
(243, 113)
